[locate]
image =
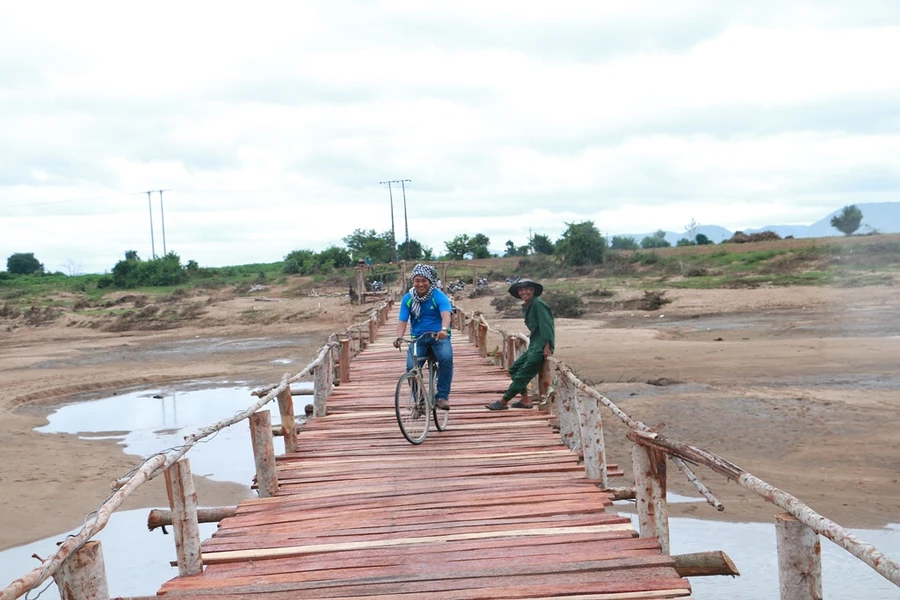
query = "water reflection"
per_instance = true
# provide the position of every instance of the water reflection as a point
(146, 422)
(752, 547)
(128, 572)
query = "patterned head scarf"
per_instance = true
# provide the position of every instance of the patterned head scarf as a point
(429, 273)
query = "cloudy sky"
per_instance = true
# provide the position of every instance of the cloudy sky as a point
(271, 124)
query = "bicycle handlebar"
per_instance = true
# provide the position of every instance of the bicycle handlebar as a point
(412, 339)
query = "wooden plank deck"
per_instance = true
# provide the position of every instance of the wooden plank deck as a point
(494, 507)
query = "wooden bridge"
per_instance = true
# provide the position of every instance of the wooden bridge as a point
(497, 506)
(494, 507)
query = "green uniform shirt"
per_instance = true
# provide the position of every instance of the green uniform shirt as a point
(539, 321)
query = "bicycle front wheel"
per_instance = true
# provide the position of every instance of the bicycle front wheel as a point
(411, 406)
(441, 417)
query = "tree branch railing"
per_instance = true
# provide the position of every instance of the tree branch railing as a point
(338, 350)
(577, 423)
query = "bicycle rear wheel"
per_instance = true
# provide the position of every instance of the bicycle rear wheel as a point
(441, 417)
(411, 406)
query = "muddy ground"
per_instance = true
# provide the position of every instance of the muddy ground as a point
(799, 386)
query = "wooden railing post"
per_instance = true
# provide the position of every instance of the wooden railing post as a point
(373, 328)
(544, 377)
(345, 360)
(321, 387)
(509, 351)
(799, 559)
(183, 502)
(263, 453)
(592, 440)
(650, 493)
(568, 421)
(288, 424)
(83, 575)
(481, 342)
(472, 328)
(360, 286)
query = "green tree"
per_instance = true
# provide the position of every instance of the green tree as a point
(300, 262)
(623, 242)
(416, 251)
(581, 244)
(368, 244)
(513, 250)
(133, 272)
(702, 240)
(333, 257)
(541, 244)
(685, 242)
(657, 240)
(22, 263)
(848, 221)
(478, 246)
(458, 247)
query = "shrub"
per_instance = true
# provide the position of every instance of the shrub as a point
(564, 304)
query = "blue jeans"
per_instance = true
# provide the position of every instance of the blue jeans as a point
(443, 353)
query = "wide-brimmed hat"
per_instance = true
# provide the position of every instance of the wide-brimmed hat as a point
(514, 288)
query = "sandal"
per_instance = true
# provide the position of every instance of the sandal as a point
(519, 404)
(496, 405)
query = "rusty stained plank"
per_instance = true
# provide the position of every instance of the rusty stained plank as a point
(495, 507)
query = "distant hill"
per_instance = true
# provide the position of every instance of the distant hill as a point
(883, 217)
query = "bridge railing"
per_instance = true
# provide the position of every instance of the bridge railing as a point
(576, 405)
(78, 560)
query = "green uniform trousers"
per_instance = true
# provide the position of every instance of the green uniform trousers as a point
(523, 370)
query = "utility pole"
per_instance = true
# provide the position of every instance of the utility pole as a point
(402, 183)
(393, 238)
(405, 222)
(163, 216)
(150, 206)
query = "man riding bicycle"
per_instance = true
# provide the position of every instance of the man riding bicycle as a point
(428, 309)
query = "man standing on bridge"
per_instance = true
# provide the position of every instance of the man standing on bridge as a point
(428, 309)
(542, 341)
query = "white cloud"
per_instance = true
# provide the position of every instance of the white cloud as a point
(271, 126)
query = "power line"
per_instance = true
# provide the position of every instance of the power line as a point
(152, 242)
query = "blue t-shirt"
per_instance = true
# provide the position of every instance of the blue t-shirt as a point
(430, 315)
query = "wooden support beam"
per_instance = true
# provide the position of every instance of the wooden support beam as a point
(183, 502)
(702, 564)
(263, 453)
(83, 575)
(799, 559)
(160, 517)
(620, 493)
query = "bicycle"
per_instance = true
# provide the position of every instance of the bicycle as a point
(414, 400)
